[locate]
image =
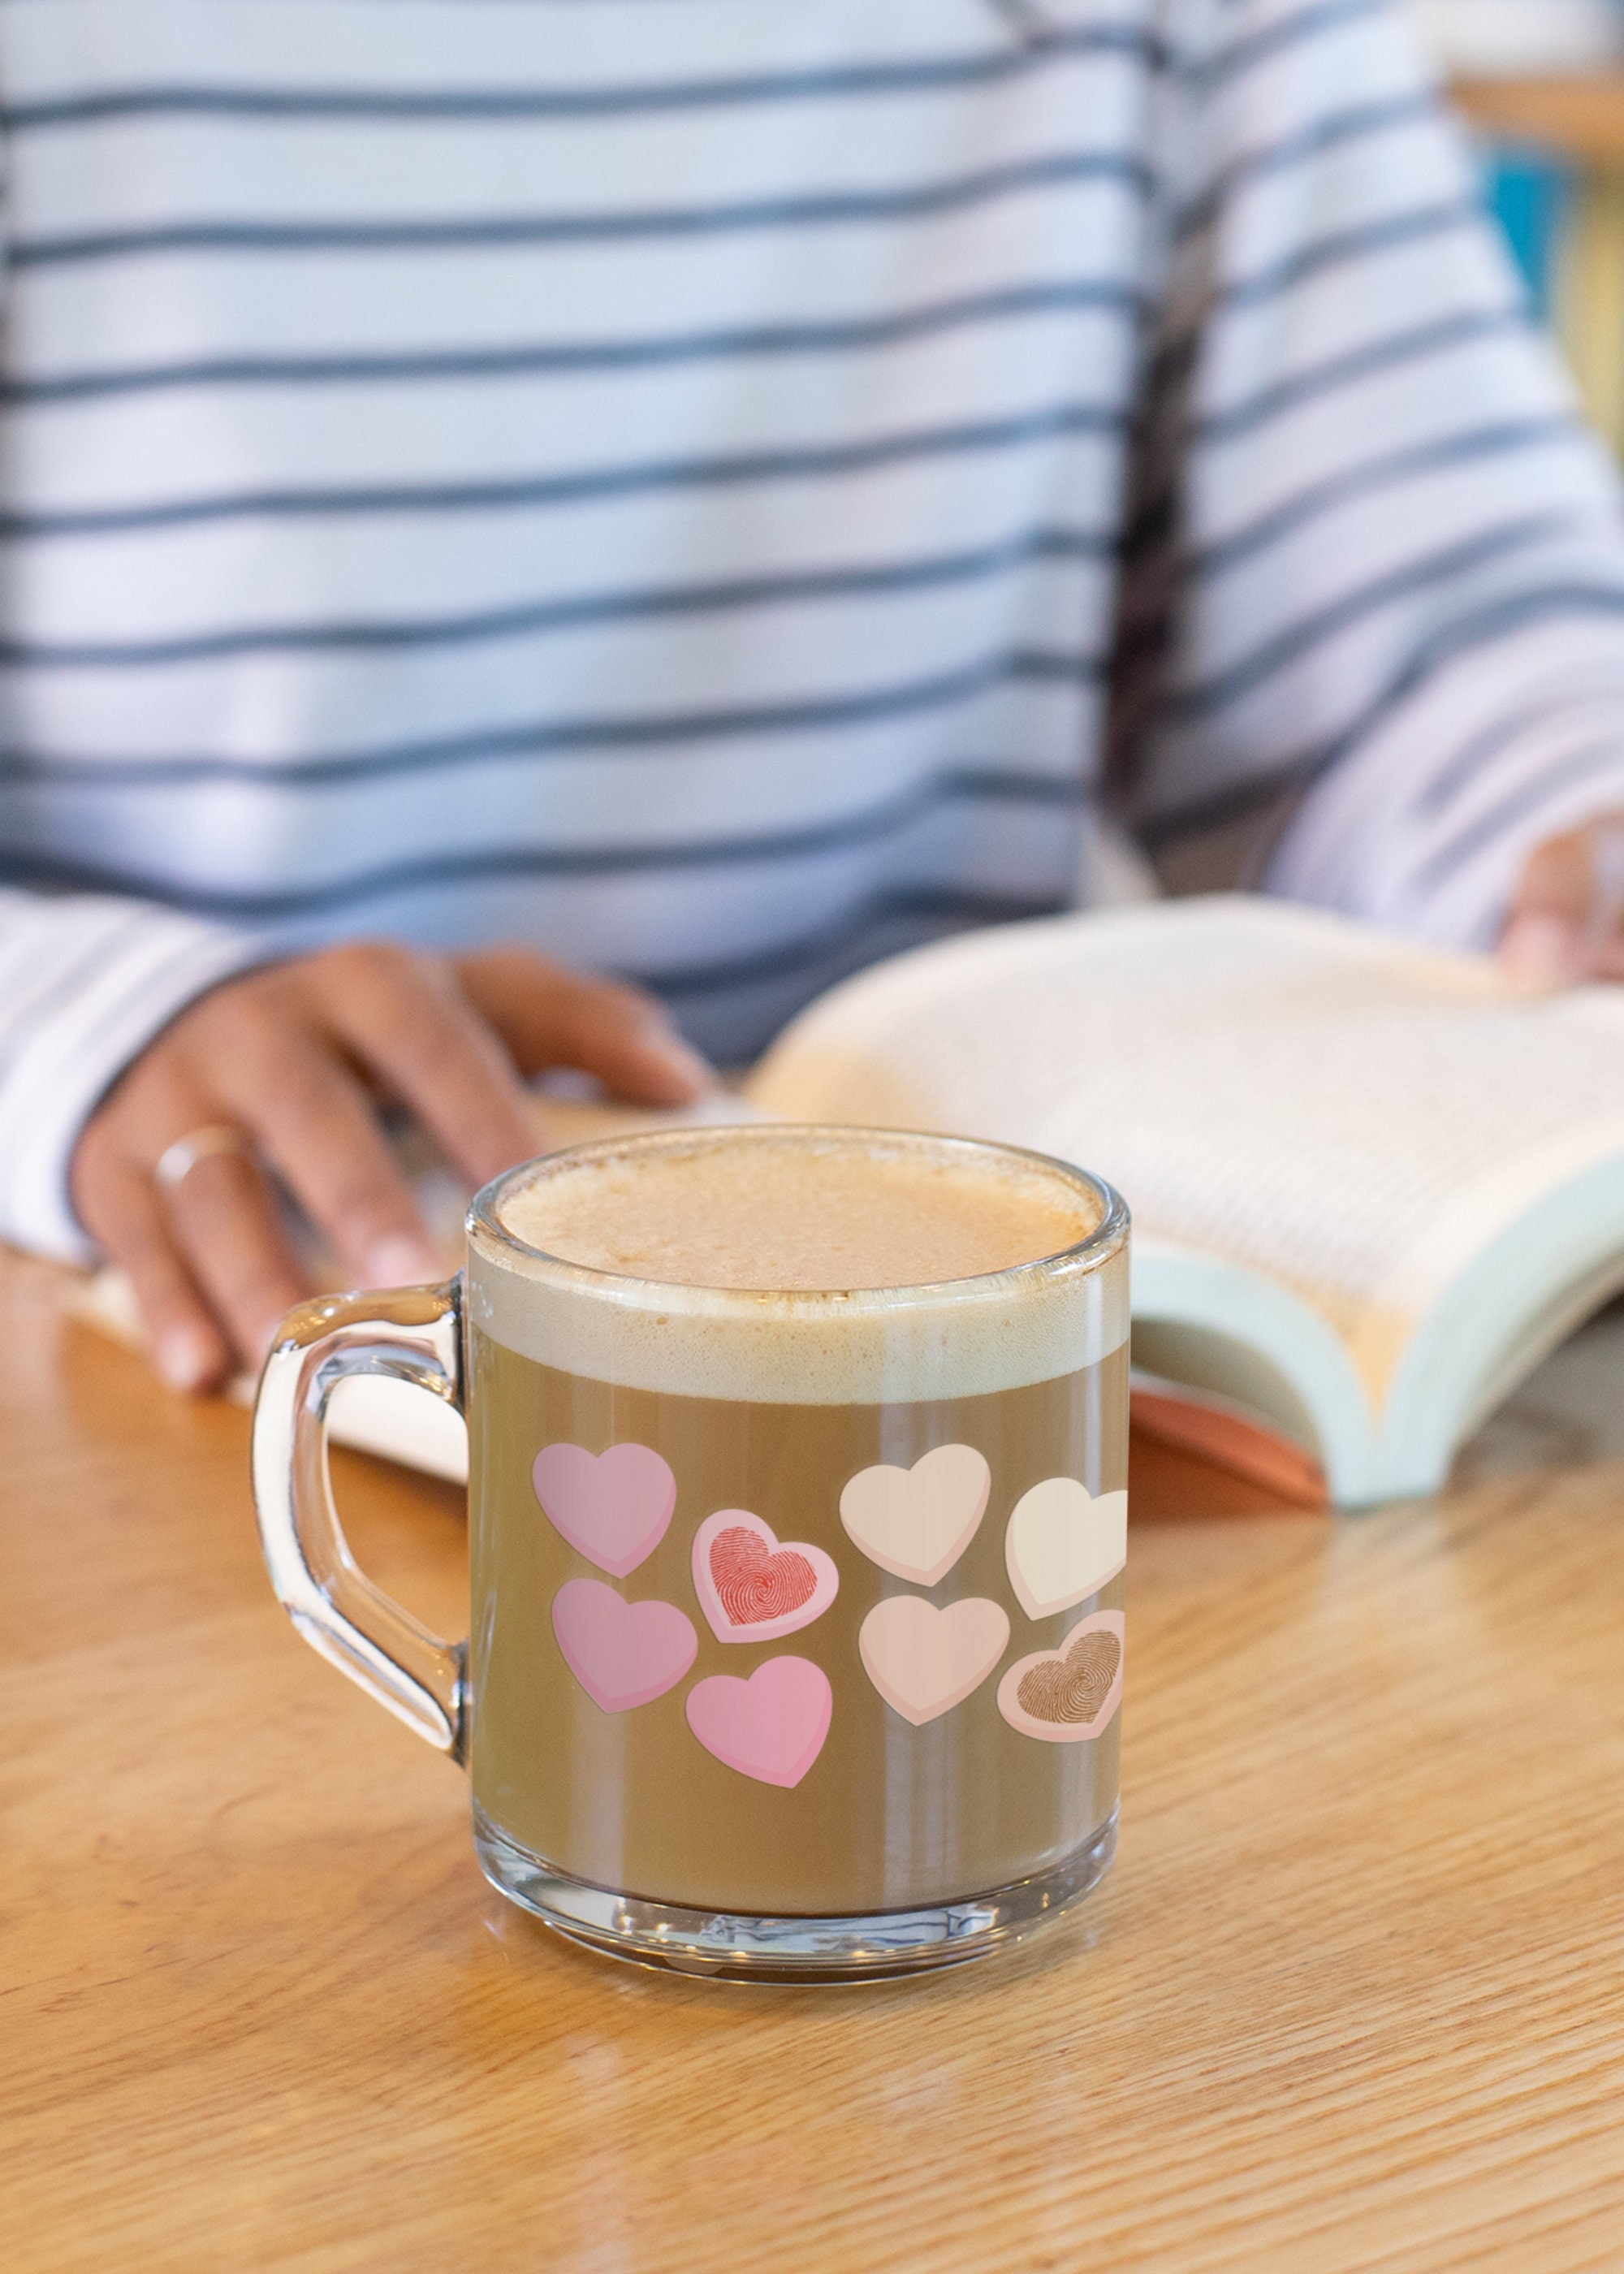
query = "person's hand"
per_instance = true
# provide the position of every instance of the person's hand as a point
(1567, 920)
(297, 1059)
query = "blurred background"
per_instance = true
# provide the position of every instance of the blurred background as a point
(1542, 82)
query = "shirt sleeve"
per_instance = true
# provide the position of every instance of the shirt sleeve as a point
(1372, 603)
(84, 983)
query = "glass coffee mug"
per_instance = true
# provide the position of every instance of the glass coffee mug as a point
(797, 1642)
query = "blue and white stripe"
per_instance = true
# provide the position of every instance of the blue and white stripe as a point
(683, 482)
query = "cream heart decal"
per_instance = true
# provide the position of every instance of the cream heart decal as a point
(924, 1661)
(1065, 1695)
(622, 1655)
(1063, 1544)
(917, 1523)
(749, 1587)
(612, 1506)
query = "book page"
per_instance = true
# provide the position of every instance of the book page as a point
(1344, 1112)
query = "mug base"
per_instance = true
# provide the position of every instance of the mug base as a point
(735, 1948)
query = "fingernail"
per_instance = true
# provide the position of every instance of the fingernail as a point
(187, 1359)
(1543, 952)
(403, 1262)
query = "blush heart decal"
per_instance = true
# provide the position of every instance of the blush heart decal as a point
(1063, 1545)
(612, 1508)
(749, 1587)
(622, 1655)
(917, 1523)
(771, 1728)
(1065, 1695)
(924, 1661)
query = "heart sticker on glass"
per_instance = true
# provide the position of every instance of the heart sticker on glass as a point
(1063, 1545)
(771, 1728)
(749, 1587)
(917, 1523)
(924, 1661)
(1065, 1695)
(622, 1655)
(612, 1506)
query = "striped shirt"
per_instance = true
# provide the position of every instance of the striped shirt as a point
(721, 489)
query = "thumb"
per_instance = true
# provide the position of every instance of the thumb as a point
(1546, 942)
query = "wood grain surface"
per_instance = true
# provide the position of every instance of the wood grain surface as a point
(1349, 2004)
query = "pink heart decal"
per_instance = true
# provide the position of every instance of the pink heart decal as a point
(752, 1590)
(621, 1653)
(771, 1728)
(612, 1506)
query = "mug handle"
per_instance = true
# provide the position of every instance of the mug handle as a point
(413, 1334)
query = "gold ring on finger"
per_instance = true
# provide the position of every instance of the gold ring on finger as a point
(178, 1161)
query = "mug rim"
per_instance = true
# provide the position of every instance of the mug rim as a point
(1086, 1255)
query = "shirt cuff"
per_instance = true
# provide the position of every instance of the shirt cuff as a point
(96, 979)
(1426, 828)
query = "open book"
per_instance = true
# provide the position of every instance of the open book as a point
(1372, 1186)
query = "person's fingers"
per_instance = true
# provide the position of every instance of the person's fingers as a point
(1543, 952)
(1546, 942)
(409, 1023)
(315, 1125)
(118, 1206)
(552, 1017)
(225, 1220)
(220, 1223)
(1607, 958)
(284, 1056)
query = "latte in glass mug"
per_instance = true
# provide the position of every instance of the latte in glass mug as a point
(797, 1524)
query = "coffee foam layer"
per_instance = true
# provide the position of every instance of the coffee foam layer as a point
(798, 1218)
(798, 1345)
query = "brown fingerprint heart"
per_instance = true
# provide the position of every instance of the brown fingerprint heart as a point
(1072, 1688)
(752, 1586)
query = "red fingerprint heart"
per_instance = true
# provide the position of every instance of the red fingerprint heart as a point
(751, 1588)
(753, 1585)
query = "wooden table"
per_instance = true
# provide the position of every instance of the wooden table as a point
(1349, 2004)
(1580, 114)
